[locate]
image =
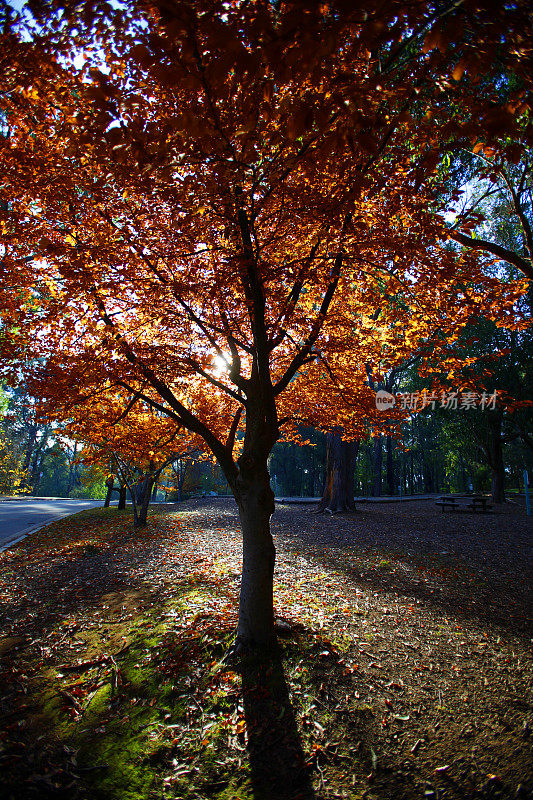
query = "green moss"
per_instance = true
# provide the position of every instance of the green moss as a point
(116, 763)
(142, 733)
(53, 713)
(98, 703)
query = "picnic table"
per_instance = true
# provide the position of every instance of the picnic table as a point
(477, 503)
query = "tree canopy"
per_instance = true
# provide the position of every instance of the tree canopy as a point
(221, 208)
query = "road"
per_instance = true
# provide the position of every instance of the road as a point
(20, 517)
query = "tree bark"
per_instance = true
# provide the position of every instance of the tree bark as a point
(377, 466)
(494, 453)
(340, 474)
(122, 497)
(145, 497)
(110, 485)
(255, 500)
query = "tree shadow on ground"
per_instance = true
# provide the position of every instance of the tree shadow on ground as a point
(154, 673)
(481, 606)
(408, 563)
(277, 761)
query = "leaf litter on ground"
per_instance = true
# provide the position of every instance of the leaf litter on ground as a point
(398, 672)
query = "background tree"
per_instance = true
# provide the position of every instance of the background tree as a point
(495, 212)
(132, 438)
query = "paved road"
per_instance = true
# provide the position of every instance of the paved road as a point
(20, 517)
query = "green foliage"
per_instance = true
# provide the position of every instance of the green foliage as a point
(298, 470)
(55, 478)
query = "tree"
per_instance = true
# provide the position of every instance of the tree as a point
(128, 435)
(11, 472)
(340, 468)
(496, 219)
(28, 439)
(498, 202)
(216, 205)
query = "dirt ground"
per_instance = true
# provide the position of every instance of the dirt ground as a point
(404, 668)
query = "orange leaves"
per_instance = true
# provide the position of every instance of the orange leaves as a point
(459, 70)
(300, 120)
(481, 147)
(434, 39)
(195, 175)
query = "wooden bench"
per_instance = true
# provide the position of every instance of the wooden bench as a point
(447, 503)
(480, 504)
(476, 504)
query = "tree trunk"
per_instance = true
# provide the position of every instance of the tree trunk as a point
(146, 496)
(71, 470)
(122, 497)
(107, 500)
(494, 453)
(390, 467)
(255, 500)
(138, 490)
(377, 466)
(36, 466)
(182, 476)
(340, 474)
(30, 446)
(38, 457)
(428, 478)
(498, 486)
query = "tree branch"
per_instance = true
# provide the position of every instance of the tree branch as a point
(300, 357)
(233, 431)
(126, 410)
(497, 250)
(293, 297)
(253, 289)
(214, 382)
(181, 413)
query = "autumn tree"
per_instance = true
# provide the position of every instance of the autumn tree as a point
(130, 438)
(215, 203)
(11, 472)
